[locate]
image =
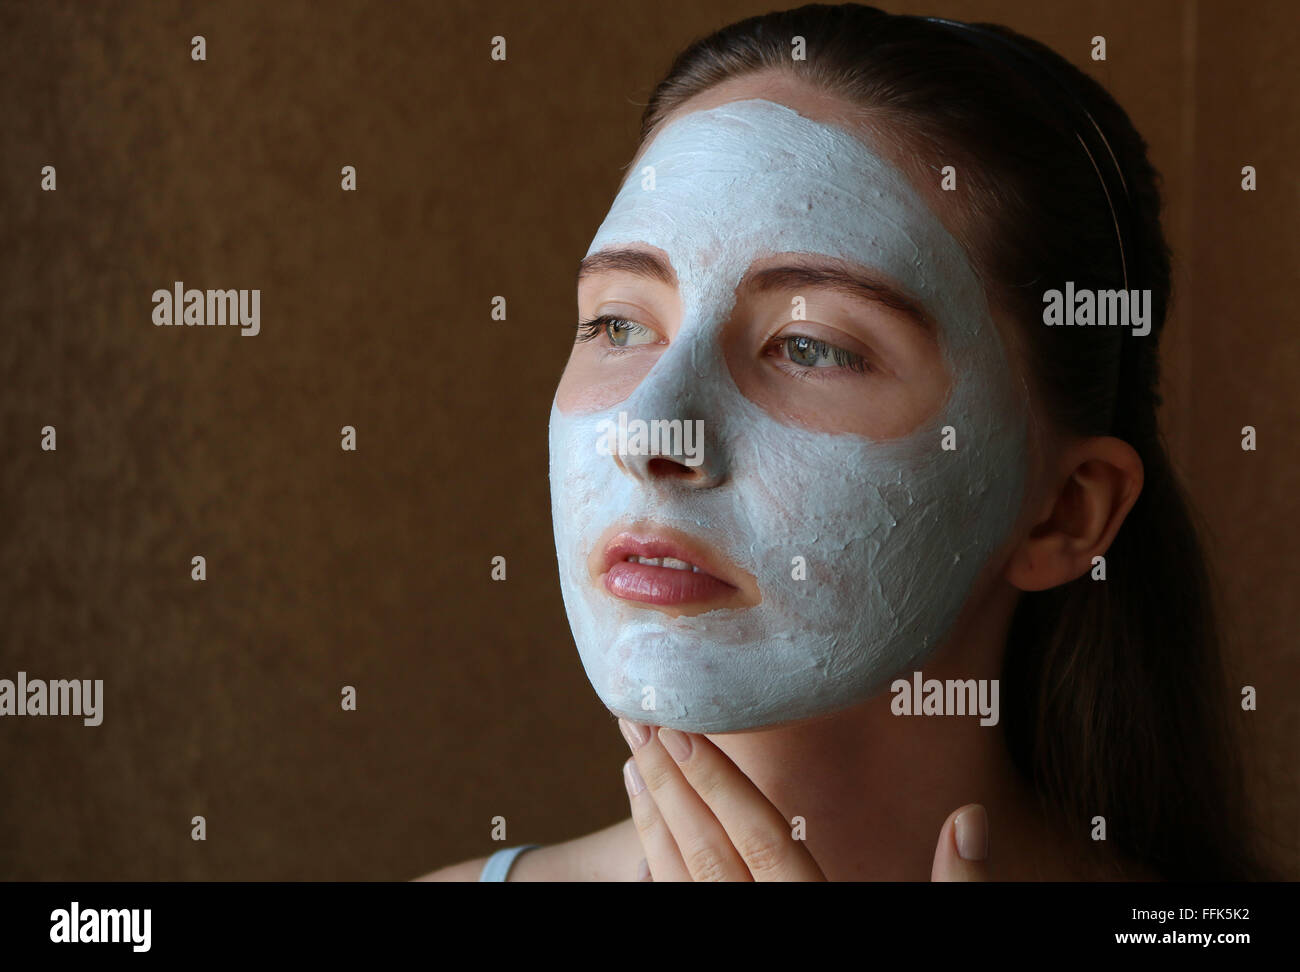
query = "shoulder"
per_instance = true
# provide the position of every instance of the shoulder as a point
(611, 854)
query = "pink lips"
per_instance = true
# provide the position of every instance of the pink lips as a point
(679, 573)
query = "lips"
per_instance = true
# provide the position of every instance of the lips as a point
(669, 569)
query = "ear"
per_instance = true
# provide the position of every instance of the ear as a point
(1098, 481)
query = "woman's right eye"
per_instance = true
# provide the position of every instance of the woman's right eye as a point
(621, 333)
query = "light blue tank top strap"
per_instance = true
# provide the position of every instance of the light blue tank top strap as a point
(498, 865)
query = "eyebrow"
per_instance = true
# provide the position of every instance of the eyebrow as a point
(856, 282)
(638, 262)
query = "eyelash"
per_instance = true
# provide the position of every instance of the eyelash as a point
(844, 359)
(594, 328)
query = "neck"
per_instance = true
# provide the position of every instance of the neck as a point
(874, 788)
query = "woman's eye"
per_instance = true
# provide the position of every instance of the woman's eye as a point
(810, 353)
(621, 333)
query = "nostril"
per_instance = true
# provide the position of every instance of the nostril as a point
(659, 466)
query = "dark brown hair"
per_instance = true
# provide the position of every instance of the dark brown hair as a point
(1116, 698)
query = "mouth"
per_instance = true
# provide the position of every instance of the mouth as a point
(666, 568)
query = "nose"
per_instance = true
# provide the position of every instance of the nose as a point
(670, 435)
(675, 417)
(673, 470)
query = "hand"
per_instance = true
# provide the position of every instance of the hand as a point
(701, 819)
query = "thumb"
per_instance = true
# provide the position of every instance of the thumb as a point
(963, 849)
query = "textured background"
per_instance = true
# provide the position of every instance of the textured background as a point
(476, 178)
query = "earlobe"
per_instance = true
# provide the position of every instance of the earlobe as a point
(1099, 480)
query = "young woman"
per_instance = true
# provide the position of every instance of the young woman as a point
(846, 262)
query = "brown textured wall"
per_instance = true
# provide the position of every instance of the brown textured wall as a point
(327, 568)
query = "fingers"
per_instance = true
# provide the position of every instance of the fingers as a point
(725, 829)
(663, 862)
(702, 843)
(963, 848)
(758, 831)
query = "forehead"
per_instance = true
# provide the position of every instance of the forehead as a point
(720, 187)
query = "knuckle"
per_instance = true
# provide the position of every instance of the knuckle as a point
(762, 852)
(657, 777)
(708, 786)
(647, 824)
(706, 864)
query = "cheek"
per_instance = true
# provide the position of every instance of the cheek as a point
(875, 406)
(594, 379)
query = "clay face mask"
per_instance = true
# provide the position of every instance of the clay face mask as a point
(892, 532)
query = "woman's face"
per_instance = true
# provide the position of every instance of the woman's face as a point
(788, 439)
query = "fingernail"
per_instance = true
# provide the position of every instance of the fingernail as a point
(636, 734)
(677, 743)
(632, 778)
(643, 871)
(972, 827)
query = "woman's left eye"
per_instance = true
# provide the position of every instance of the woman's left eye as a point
(810, 353)
(621, 333)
